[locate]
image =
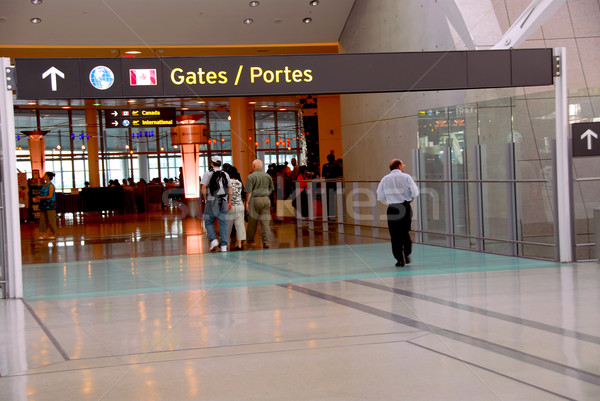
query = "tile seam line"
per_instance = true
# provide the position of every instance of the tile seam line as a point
(46, 331)
(491, 371)
(484, 312)
(194, 349)
(198, 358)
(566, 370)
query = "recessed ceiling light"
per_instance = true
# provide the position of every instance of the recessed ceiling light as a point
(248, 21)
(254, 4)
(314, 2)
(307, 20)
(133, 52)
(36, 2)
(35, 20)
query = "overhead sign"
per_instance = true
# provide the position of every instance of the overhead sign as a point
(584, 139)
(281, 74)
(134, 118)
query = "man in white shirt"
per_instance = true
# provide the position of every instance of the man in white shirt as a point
(397, 190)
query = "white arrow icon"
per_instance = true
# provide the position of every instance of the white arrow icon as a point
(115, 113)
(115, 123)
(589, 134)
(53, 72)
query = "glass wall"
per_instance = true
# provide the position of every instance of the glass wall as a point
(486, 177)
(499, 177)
(130, 153)
(124, 153)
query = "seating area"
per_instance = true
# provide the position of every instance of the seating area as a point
(115, 199)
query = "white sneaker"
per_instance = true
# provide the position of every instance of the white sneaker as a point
(224, 248)
(214, 244)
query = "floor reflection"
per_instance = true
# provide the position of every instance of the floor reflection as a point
(97, 236)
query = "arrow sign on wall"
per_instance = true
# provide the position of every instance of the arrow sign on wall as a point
(53, 72)
(584, 139)
(589, 134)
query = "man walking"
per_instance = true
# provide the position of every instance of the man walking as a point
(259, 186)
(216, 190)
(397, 190)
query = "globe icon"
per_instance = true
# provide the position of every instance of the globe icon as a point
(102, 77)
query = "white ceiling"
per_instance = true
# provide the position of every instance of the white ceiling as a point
(156, 23)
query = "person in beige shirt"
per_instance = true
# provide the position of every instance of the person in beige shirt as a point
(259, 186)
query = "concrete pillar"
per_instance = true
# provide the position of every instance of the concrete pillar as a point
(91, 122)
(242, 127)
(330, 127)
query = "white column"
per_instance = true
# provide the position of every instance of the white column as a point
(142, 148)
(563, 176)
(12, 230)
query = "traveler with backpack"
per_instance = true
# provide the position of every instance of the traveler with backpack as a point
(216, 190)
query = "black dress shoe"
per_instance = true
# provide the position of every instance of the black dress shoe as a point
(407, 259)
(399, 264)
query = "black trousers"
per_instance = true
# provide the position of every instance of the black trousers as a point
(399, 216)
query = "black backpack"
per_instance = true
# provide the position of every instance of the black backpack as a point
(217, 185)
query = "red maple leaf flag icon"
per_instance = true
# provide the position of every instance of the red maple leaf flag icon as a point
(142, 77)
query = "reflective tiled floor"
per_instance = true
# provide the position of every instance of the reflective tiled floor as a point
(148, 315)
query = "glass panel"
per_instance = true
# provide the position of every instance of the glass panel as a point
(66, 178)
(220, 132)
(495, 131)
(534, 132)
(265, 129)
(460, 191)
(81, 174)
(433, 139)
(25, 120)
(278, 136)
